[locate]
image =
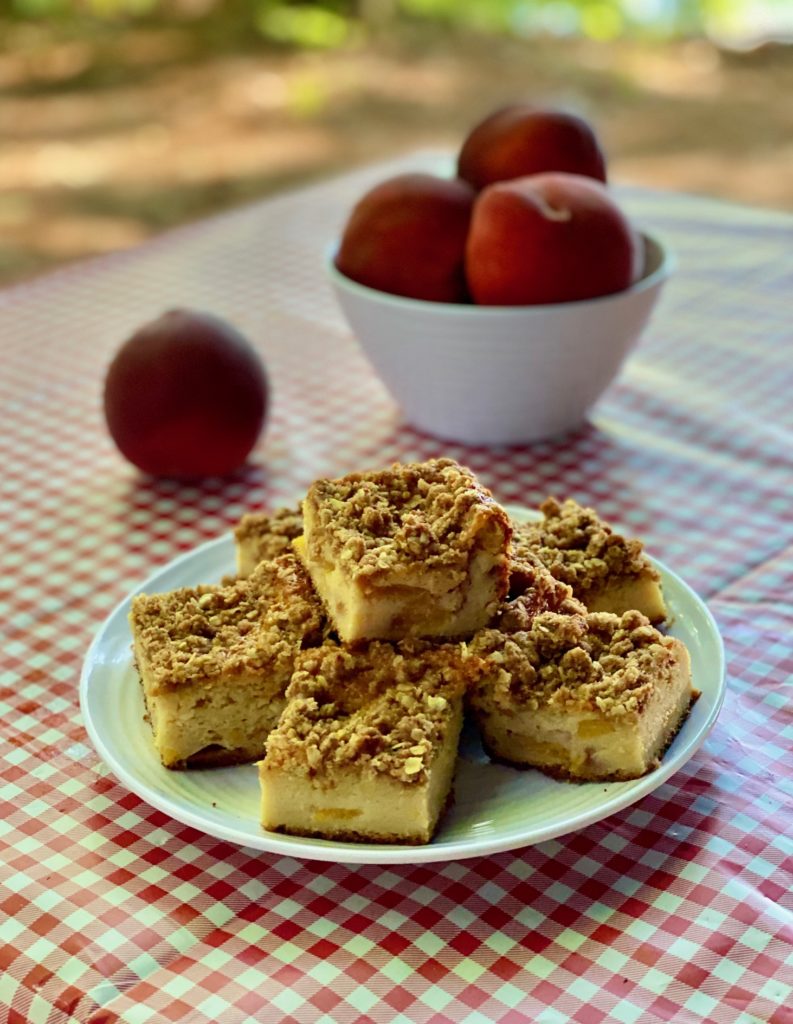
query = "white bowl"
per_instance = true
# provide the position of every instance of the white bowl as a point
(499, 374)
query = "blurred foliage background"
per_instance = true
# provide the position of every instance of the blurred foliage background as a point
(120, 118)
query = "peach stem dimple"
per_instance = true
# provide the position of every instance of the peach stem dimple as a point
(553, 212)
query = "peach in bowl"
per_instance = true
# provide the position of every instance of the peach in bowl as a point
(482, 374)
(498, 304)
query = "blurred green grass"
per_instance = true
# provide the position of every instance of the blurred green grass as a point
(329, 23)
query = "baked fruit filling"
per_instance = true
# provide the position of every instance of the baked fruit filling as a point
(215, 661)
(415, 550)
(366, 747)
(606, 571)
(583, 697)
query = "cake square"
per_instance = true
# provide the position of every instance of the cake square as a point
(582, 697)
(606, 571)
(366, 748)
(262, 536)
(215, 661)
(417, 550)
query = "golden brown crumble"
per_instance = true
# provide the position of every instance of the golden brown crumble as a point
(251, 625)
(532, 589)
(577, 547)
(382, 709)
(432, 513)
(594, 662)
(272, 532)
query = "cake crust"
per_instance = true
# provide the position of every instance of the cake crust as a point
(342, 834)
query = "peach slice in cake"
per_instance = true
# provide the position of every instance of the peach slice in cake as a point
(582, 697)
(416, 550)
(262, 536)
(367, 745)
(607, 572)
(215, 661)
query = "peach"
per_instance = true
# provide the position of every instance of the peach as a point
(407, 236)
(548, 238)
(186, 396)
(519, 140)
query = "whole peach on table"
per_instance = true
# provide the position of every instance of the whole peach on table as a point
(549, 238)
(186, 396)
(519, 140)
(407, 236)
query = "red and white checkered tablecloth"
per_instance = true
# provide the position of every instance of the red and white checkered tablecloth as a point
(677, 909)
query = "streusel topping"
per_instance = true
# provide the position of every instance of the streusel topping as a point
(432, 513)
(532, 590)
(273, 532)
(595, 662)
(251, 625)
(381, 709)
(577, 547)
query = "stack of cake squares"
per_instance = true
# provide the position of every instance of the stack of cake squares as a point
(362, 627)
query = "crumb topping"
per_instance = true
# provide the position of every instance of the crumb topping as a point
(532, 589)
(271, 533)
(432, 513)
(594, 662)
(252, 625)
(577, 547)
(383, 708)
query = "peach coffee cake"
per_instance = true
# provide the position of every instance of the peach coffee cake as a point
(605, 570)
(363, 623)
(416, 550)
(215, 661)
(367, 745)
(595, 696)
(260, 537)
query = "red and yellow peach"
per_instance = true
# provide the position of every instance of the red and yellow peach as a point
(407, 237)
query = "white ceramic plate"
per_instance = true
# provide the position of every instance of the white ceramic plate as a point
(496, 808)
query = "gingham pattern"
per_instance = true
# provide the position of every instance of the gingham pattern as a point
(677, 909)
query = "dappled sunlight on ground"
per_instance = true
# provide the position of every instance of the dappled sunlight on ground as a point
(106, 142)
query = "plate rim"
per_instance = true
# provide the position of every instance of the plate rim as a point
(369, 853)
